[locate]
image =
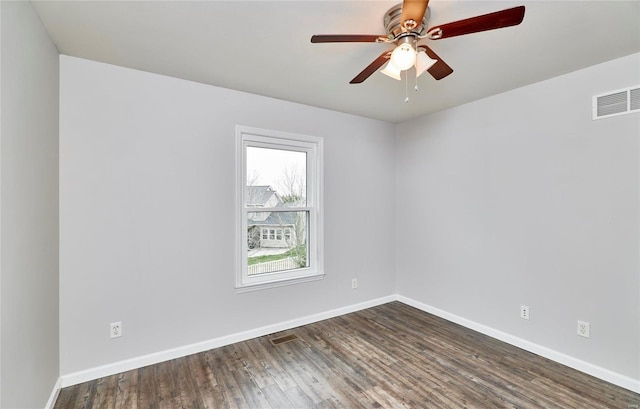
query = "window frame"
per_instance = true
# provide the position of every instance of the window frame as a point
(313, 147)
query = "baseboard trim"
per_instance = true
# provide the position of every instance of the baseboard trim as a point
(567, 360)
(154, 358)
(54, 395)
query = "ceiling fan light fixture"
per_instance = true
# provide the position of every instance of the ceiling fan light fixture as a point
(403, 56)
(423, 62)
(391, 71)
(405, 25)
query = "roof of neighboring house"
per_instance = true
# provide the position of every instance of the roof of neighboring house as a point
(276, 219)
(259, 195)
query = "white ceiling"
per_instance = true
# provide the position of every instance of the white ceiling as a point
(263, 47)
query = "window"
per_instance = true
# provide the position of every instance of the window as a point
(279, 208)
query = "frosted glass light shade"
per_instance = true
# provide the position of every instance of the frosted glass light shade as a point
(423, 63)
(391, 71)
(403, 56)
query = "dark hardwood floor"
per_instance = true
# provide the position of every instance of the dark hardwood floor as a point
(390, 356)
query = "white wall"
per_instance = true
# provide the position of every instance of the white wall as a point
(521, 198)
(29, 352)
(516, 199)
(146, 206)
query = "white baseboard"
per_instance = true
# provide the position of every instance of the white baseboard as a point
(582, 366)
(54, 395)
(139, 362)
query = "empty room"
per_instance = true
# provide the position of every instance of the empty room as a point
(319, 204)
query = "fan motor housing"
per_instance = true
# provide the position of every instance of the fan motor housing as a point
(393, 24)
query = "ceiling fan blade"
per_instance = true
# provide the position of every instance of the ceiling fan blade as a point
(491, 21)
(412, 13)
(348, 38)
(371, 68)
(440, 69)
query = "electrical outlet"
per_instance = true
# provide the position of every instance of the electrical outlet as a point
(354, 283)
(115, 329)
(524, 312)
(583, 329)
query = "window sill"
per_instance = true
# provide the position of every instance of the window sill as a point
(245, 288)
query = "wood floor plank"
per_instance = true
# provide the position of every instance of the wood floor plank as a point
(331, 363)
(389, 356)
(127, 387)
(164, 386)
(204, 381)
(185, 391)
(263, 348)
(229, 387)
(277, 398)
(252, 364)
(253, 395)
(385, 400)
(328, 404)
(311, 383)
(105, 393)
(67, 398)
(86, 395)
(298, 398)
(146, 394)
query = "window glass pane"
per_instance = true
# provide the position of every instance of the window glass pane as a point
(284, 248)
(275, 178)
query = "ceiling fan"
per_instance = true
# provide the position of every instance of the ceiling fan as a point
(406, 25)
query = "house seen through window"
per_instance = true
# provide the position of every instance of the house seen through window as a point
(280, 211)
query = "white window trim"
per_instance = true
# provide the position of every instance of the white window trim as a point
(313, 146)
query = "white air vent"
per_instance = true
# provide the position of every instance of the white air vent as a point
(614, 103)
(634, 99)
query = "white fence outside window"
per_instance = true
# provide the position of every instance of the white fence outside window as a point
(272, 266)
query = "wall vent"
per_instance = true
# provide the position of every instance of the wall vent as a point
(624, 101)
(634, 99)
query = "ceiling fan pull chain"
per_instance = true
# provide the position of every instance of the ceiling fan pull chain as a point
(416, 84)
(406, 86)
